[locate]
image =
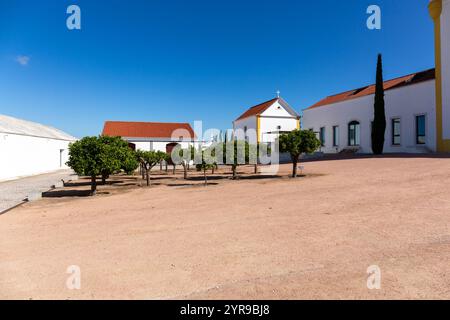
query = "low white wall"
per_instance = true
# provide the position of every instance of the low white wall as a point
(22, 155)
(404, 103)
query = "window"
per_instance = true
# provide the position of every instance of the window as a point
(335, 136)
(322, 136)
(278, 127)
(420, 130)
(354, 133)
(396, 132)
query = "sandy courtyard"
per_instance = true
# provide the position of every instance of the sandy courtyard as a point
(313, 237)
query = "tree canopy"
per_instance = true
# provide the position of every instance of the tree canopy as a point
(296, 143)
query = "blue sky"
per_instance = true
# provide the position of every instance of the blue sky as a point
(180, 61)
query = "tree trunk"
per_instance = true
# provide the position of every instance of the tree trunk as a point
(213, 169)
(294, 168)
(148, 177)
(142, 172)
(204, 176)
(166, 165)
(104, 177)
(173, 171)
(93, 185)
(185, 171)
(160, 166)
(256, 168)
(234, 171)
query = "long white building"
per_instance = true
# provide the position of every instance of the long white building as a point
(29, 148)
(152, 136)
(344, 121)
(417, 106)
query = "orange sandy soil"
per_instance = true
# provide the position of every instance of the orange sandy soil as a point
(313, 237)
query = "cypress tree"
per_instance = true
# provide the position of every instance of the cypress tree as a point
(379, 120)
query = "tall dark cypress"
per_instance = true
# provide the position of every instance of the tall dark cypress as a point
(379, 120)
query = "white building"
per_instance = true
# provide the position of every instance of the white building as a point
(152, 136)
(264, 122)
(28, 148)
(344, 121)
(417, 106)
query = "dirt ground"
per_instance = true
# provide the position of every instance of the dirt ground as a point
(256, 238)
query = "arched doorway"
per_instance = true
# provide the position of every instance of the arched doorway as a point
(169, 149)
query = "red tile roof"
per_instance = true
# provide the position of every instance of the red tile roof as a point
(146, 129)
(258, 109)
(388, 85)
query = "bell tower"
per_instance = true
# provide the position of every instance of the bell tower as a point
(440, 12)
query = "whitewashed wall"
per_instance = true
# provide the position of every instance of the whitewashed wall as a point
(404, 103)
(276, 115)
(22, 155)
(239, 126)
(445, 56)
(156, 145)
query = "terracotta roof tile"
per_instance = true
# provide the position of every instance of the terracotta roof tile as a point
(146, 129)
(258, 109)
(365, 91)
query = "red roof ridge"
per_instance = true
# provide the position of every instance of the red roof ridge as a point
(141, 129)
(393, 83)
(257, 109)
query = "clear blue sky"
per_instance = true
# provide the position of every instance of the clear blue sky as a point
(180, 61)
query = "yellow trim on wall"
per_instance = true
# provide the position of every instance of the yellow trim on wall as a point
(435, 8)
(258, 129)
(298, 123)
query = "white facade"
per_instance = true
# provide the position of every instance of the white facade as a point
(28, 148)
(445, 63)
(265, 126)
(156, 144)
(403, 103)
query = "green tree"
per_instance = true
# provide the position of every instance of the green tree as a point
(118, 155)
(296, 143)
(129, 162)
(183, 157)
(87, 158)
(238, 152)
(208, 161)
(149, 159)
(379, 120)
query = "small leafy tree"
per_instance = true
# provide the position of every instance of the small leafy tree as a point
(129, 162)
(379, 120)
(149, 159)
(87, 157)
(296, 143)
(238, 152)
(119, 156)
(208, 161)
(183, 157)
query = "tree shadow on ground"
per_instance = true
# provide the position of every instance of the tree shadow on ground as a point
(201, 178)
(259, 176)
(191, 184)
(70, 193)
(88, 183)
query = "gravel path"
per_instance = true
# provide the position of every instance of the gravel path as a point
(13, 193)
